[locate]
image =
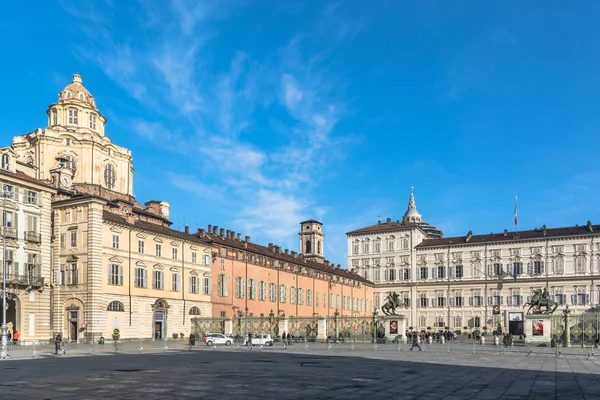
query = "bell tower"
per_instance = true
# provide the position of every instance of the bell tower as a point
(311, 240)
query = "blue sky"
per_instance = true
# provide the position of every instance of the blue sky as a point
(257, 115)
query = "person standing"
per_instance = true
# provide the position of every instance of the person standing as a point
(249, 341)
(16, 337)
(284, 340)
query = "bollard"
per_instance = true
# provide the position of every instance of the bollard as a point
(33, 352)
(140, 346)
(473, 344)
(165, 346)
(557, 352)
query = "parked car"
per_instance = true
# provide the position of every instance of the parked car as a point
(263, 339)
(218, 338)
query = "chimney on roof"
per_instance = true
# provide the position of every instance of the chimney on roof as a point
(239, 237)
(222, 232)
(209, 228)
(233, 235)
(326, 262)
(294, 254)
(228, 233)
(247, 239)
(589, 226)
(389, 220)
(544, 229)
(379, 222)
(469, 235)
(287, 251)
(186, 229)
(270, 246)
(339, 266)
(215, 230)
(200, 232)
(506, 232)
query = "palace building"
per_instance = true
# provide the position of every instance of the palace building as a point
(107, 261)
(475, 281)
(264, 280)
(26, 230)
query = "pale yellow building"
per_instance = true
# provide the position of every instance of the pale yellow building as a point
(26, 228)
(115, 263)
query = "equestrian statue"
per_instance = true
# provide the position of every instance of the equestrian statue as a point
(393, 301)
(541, 299)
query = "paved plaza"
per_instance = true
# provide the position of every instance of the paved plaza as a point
(316, 371)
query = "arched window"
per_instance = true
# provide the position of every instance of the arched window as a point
(5, 161)
(319, 247)
(72, 116)
(93, 121)
(115, 306)
(308, 247)
(194, 311)
(54, 117)
(109, 176)
(71, 163)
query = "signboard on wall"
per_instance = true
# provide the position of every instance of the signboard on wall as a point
(159, 316)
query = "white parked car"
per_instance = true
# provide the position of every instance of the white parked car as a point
(218, 338)
(259, 339)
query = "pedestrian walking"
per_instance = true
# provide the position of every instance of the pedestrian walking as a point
(284, 340)
(249, 341)
(415, 342)
(57, 343)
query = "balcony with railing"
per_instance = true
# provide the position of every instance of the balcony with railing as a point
(31, 279)
(32, 236)
(9, 232)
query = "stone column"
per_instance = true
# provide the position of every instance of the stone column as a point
(322, 328)
(229, 327)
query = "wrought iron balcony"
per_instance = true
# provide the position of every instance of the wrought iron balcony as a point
(9, 232)
(33, 280)
(32, 236)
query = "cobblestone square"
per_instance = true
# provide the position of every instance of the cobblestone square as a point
(316, 371)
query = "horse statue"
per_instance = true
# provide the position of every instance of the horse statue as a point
(541, 299)
(393, 301)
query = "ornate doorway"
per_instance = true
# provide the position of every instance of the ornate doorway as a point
(159, 319)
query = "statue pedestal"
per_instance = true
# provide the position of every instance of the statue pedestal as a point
(537, 328)
(395, 325)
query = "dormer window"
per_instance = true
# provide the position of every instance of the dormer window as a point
(81, 95)
(109, 176)
(68, 94)
(5, 161)
(54, 117)
(72, 116)
(92, 121)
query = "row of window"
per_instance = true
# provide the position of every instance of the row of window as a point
(68, 274)
(275, 263)
(374, 246)
(158, 250)
(258, 291)
(493, 270)
(117, 306)
(73, 117)
(11, 192)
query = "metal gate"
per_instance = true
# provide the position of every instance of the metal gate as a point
(242, 325)
(304, 328)
(208, 325)
(583, 330)
(354, 329)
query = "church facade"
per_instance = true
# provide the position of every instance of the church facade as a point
(475, 281)
(112, 263)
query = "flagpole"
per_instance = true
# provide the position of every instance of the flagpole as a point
(516, 215)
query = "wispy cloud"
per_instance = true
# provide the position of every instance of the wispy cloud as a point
(206, 112)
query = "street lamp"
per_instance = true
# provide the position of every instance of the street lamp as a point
(4, 349)
(567, 333)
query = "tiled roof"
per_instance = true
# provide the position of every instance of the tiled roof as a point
(276, 253)
(23, 176)
(150, 227)
(540, 233)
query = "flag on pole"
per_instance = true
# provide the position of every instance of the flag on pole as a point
(516, 214)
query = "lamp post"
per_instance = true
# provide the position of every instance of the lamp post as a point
(567, 333)
(375, 325)
(4, 349)
(246, 317)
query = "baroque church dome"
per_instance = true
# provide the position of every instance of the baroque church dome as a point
(76, 91)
